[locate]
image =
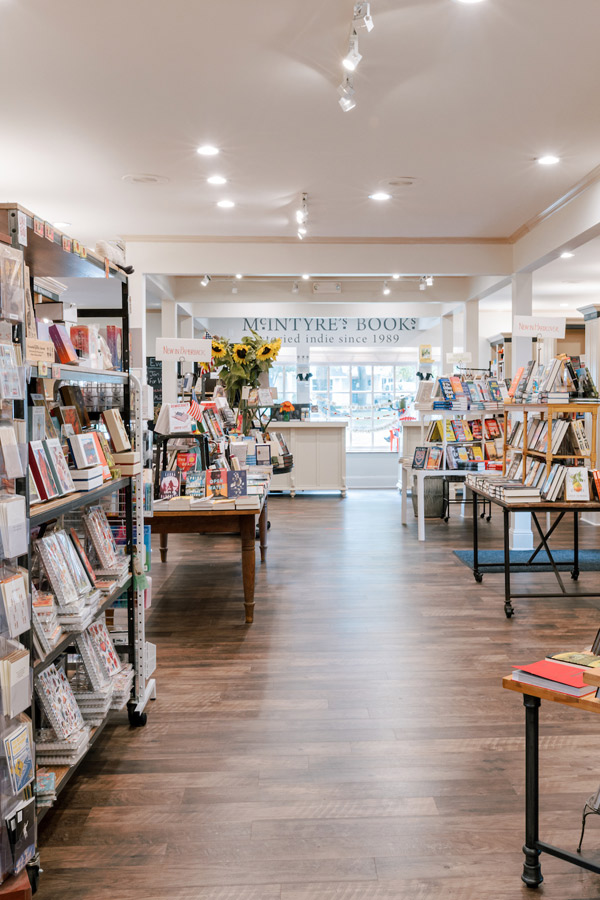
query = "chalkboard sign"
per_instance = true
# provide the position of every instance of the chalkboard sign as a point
(154, 377)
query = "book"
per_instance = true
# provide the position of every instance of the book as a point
(80, 338)
(101, 457)
(263, 454)
(56, 696)
(67, 355)
(11, 464)
(112, 334)
(446, 388)
(72, 395)
(577, 484)
(103, 645)
(58, 464)
(39, 401)
(18, 748)
(84, 450)
(58, 572)
(42, 471)
(83, 556)
(67, 415)
(420, 457)
(20, 826)
(100, 535)
(14, 678)
(169, 484)
(116, 429)
(237, 485)
(216, 484)
(195, 485)
(14, 539)
(435, 457)
(583, 658)
(16, 603)
(554, 676)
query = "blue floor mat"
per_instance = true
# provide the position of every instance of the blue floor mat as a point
(589, 560)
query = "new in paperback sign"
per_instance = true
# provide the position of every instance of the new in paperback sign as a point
(539, 326)
(176, 349)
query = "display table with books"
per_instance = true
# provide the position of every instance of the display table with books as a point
(533, 694)
(218, 521)
(511, 504)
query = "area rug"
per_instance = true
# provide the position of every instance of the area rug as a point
(589, 560)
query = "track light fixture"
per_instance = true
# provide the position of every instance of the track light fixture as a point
(352, 58)
(234, 289)
(386, 289)
(302, 216)
(346, 91)
(422, 283)
(295, 288)
(429, 281)
(205, 281)
(362, 16)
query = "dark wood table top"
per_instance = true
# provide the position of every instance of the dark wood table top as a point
(542, 505)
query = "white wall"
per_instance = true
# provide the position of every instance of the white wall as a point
(372, 470)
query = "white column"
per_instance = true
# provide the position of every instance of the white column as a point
(137, 321)
(521, 535)
(592, 361)
(471, 331)
(522, 305)
(169, 369)
(446, 341)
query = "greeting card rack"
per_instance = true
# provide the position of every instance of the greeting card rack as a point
(50, 254)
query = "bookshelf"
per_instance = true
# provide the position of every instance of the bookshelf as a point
(500, 355)
(551, 412)
(443, 416)
(52, 255)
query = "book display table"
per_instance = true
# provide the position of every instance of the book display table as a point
(227, 521)
(562, 507)
(406, 470)
(533, 847)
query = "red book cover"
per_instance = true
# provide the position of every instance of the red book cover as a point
(80, 338)
(62, 342)
(491, 426)
(596, 474)
(476, 429)
(555, 672)
(515, 382)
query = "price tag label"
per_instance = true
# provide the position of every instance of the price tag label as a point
(48, 231)
(38, 227)
(43, 369)
(76, 247)
(56, 371)
(66, 243)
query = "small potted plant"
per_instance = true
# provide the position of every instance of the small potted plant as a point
(286, 408)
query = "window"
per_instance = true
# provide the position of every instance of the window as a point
(283, 377)
(372, 397)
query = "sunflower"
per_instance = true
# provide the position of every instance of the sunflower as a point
(265, 352)
(218, 349)
(240, 353)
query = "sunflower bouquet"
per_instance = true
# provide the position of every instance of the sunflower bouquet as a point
(242, 364)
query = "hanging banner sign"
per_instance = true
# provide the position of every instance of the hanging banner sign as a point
(457, 358)
(176, 349)
(539, 326)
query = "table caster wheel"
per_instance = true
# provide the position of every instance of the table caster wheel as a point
(488, 518)
(509, 612)
(478, 576)
(482, 515)
(574, 575)
(446, 518)
(136, 719)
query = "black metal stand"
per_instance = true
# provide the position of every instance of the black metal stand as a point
(447, 502)
(533, 847)
(532, 563)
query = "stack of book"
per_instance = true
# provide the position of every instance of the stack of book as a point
(45, 788)
(508, 490)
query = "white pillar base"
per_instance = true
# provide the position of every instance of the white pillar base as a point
(521, 535)
(591, 518)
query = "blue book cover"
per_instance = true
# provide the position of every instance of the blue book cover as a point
(237, 483)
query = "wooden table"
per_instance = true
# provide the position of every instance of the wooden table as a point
(533, 847)
(559, 506)
(227, 521)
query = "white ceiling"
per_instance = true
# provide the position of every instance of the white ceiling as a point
(561, 286)
(462, 97)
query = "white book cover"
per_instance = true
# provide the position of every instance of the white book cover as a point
(577, 484)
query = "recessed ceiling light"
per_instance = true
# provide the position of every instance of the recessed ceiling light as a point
(208, 150)
(567, 255)
(548, 160)
(380, 195)
(216, 179)
(306, 277)
(239, 276)
(226, 204)
(395, 277)
(62, 225)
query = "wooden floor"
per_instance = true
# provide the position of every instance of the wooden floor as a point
(353, 744)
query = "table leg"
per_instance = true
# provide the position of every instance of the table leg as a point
(263, 524)
(575, 572)
(421, 505)
(164, 546)
(476, 573)
(532, 870)
(508, 607)
(248, 538)
(403, 502)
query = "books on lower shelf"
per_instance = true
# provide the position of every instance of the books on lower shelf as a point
(18, 749)
(56, 696)
(20, 825)
(14, 678)
(15, 602)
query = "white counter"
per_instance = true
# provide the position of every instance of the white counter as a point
(319, 451)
